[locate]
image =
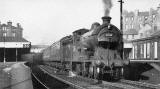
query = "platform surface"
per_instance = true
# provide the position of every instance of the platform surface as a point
(5, 77)
(14, 75)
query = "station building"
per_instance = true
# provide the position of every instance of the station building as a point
(12, 43)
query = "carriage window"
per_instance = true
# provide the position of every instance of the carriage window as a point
(155, 50)
(144, 50)
(148, 50)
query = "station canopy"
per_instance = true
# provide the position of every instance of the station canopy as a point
(14, 42)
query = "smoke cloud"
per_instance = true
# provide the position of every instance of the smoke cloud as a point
(107, 7)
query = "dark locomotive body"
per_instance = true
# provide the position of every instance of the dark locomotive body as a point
(89, 52)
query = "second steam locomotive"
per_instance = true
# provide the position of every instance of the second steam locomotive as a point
(89, 52)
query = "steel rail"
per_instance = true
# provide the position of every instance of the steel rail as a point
(39, 80)
(143, 85)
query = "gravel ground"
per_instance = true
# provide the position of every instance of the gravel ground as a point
(154, 76)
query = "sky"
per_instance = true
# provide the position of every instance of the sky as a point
(47, 21)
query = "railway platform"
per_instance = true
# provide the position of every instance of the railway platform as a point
(5, 78)
(15, 75)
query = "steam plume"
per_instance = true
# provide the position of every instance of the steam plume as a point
(107, 6)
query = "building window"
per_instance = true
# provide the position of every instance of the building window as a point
(155, 50)
(145, 52)
(132, 26)
(145, 17)
(126, 19)
(4, 34)
(132, 18)
(141, 51)
(155, 28)
(140, 18)
(132, 36)
(135, 51)
(126, 26)
(141, 34)
(153, 16)
(148, 50)
(126, 36)
(13, 34)
(4, 28)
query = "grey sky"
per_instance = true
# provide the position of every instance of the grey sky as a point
(46, 21)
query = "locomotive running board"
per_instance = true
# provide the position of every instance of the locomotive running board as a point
(145, 61)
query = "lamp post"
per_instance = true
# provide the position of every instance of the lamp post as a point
(16, 52)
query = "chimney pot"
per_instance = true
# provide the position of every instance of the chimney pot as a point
(9, 23)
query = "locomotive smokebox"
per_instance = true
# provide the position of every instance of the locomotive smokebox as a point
(106, 19)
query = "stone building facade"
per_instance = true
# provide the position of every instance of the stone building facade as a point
(12, 43)
(139, 24)
(8, 30)
(144, 22)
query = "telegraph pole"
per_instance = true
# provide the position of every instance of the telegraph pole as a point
(121, 15)
(121, 25)
(121, 28)
(4, 51)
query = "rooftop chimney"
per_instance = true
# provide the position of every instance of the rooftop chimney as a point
(9, 23)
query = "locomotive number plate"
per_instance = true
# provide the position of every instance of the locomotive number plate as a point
(109, 34)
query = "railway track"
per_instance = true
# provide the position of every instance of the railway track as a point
(79, 82)
(37, 82)
(141, 85)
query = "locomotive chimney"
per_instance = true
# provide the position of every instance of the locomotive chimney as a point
(106, 19)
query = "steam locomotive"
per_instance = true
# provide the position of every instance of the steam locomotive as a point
(89, 52)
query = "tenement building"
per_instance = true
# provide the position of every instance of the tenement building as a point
(12, 43)
(144, 22)
(139, 24)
